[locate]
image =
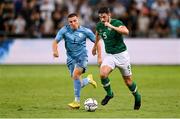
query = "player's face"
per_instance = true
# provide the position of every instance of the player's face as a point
(104, 17)
(73, 22)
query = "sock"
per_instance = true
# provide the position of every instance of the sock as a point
(106, 84)
(77, 89)
(133, 89)
(85, 81)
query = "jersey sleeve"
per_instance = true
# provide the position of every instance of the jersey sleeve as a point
(60, 34)
(118, 23)
(90, 35)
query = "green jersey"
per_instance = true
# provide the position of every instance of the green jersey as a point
(113, 40)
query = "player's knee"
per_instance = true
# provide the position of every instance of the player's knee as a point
(75, 77)
(127, 80)
(103, 74)
(105, 71)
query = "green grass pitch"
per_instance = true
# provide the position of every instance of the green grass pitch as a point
(45, 90)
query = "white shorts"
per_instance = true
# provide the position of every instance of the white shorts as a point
(120, 60)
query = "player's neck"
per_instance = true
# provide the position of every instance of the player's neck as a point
(74, 29)
(109, 20)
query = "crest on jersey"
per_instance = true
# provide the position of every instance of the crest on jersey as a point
(80, 35)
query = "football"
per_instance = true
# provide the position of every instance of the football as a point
(90, 105)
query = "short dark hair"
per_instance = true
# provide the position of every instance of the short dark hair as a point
(72, 15)
(104, 10)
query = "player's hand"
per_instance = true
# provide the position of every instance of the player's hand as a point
(56, 54)
(99, 60)
(94, 51)
(108, 24)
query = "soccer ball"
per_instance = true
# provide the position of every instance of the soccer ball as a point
(90, 105)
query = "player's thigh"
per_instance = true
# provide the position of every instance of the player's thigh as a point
(107, 66)
(125, 69)
(105, 71)
(122, 62)
(77, 72)
(81, 64)
(71, 67)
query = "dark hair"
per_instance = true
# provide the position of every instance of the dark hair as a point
(72, 15)
(104, 10)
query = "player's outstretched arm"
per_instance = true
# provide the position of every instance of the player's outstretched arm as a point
(55, 48)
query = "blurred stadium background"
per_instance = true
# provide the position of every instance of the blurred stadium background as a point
(27, 28)
(42, 18)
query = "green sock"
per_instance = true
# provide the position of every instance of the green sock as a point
(106, 84)
(133, 89)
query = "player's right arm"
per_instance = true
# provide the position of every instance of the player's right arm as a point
(58, 38)
(55, 48)
(94, 49)
(122, 29)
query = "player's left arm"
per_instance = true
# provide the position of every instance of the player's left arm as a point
(121, 29)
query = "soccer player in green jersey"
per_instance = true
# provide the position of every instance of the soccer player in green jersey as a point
(112, 31)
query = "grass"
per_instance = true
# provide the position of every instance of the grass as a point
(45, 90)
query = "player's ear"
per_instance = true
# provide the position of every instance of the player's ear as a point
(78, 19)
(109, 14)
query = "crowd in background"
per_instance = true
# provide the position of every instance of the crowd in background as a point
(43, 18)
